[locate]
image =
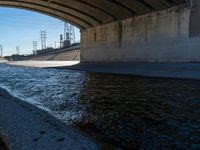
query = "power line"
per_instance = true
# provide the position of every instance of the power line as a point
(50, 26)
(54, 26)
(69, 35)
(10, 20)
(21, 16)
(43, 35)
(61, 40)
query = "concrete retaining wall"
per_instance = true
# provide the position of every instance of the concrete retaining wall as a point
(59, 56)
(156, 37)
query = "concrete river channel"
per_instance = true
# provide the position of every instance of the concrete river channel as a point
(128, 112)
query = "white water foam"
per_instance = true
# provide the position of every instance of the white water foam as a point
(18, 95)
(53, 90)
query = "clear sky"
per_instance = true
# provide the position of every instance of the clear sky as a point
(21, 27)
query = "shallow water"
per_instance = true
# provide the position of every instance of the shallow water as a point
(126, 111)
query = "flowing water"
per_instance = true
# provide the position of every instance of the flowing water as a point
(125, 111)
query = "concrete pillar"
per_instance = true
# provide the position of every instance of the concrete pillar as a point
(163, 36)
(195, 19)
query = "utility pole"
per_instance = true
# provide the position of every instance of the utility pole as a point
(43, 35)
(1, 50)
(17, 50)
(34, 47)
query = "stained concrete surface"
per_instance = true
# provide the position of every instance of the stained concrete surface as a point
(169, 70)
(161, 36)
(41, 64)
(69, 55)
(91, 13)
(28, 128)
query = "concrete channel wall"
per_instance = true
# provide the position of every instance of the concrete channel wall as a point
(162, 36)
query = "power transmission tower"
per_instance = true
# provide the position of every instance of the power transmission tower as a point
(1, 50)
(55, 44)
(17, 50)
(61, 40)
(34, 47)
(69, 35)
(43, 35)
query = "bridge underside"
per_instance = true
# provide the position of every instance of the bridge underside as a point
(90, 13)
(128, 30)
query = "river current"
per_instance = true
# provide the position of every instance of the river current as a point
(126, 111)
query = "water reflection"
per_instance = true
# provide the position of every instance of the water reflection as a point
(142, 113)
(126, 111)
(56, 91)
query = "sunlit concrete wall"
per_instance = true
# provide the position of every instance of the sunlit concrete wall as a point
(163, 36)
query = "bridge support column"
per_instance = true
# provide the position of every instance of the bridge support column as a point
(162, 36)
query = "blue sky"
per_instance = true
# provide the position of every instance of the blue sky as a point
(20, 28)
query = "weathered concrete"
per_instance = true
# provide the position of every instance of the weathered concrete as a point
(69, 55)
(128, 30)
(41, 64)
(166, 70)
(194, 19)
(26, 127)
(171, 35)
(90, 13)
(156, 37)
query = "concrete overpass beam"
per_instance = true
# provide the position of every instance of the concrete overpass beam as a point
(194, 19)
(158, 4)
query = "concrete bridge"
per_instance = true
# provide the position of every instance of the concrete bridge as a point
(128, 30)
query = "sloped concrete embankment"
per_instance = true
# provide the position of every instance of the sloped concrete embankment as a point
(60, 56)
(27, 127)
